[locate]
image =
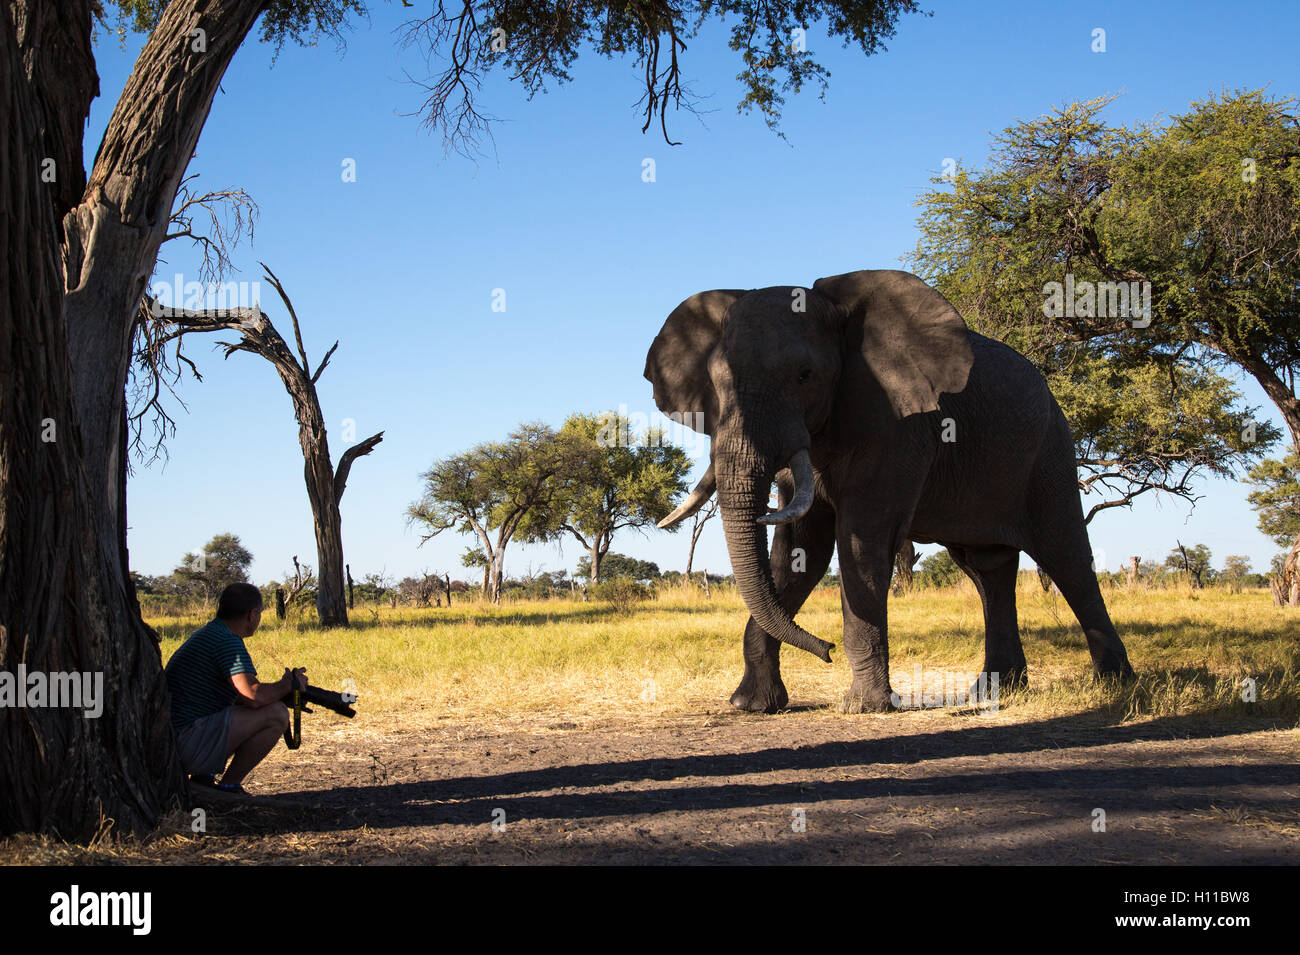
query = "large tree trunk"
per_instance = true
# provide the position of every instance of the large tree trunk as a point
(331, 601)
(111, 237)
(497, 566)
(66, 602)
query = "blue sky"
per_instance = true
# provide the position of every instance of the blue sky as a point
(400, 265)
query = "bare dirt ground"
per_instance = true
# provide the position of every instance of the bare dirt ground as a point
(807, 786)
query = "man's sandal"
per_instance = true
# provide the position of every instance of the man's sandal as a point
(235, 789)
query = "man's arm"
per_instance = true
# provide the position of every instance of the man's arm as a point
(252, 693)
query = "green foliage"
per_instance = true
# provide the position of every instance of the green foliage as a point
(539, 42)
(1170, 205)
(1235, 567)
(373, 588)
(494, 486)
(544, 585)
(761, 33)
(1236, 572)
(1278, 498)
(624, 594)
(613, 480)
(1152, 424)
(938, 570)
(1195, 562)
(619, 566)
(536, 42)
(223, 560)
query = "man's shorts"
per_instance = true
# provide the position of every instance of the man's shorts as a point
(203, 743)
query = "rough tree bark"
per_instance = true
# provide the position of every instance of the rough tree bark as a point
(325, 484)
(70, 255)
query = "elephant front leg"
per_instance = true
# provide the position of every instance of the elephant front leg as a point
(866, 559)
(761, 689)
(801, 552)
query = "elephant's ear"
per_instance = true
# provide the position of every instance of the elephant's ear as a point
(913, 340)
(678, 362)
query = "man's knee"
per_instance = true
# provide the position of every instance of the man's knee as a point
(277, 715)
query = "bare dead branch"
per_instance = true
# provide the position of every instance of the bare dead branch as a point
(324, 361)
(231, 215)
(297, 330)
(345, 462)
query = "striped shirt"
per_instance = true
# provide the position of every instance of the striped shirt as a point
(199, 672)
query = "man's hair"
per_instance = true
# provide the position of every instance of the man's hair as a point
(237, 600)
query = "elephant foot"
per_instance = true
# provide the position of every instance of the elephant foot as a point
(756, 695)
(868, 700)
(1114, 666)
(1012, 677)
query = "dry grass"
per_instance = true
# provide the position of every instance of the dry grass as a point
(588, 661)
(503, 673)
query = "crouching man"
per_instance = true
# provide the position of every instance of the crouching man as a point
(219, 709)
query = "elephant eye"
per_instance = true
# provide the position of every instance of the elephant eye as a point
(804, 376)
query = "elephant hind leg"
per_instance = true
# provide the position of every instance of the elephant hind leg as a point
(1069, 563)
(993, 569)
(1060, 547)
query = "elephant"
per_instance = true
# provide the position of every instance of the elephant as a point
(882, 418)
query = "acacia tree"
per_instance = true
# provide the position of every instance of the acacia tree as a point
(78, 250)
(1194, 561)
(616, 480)
(490, 491)
(325, 482)
(1235, 569)
(1175, 265)
(223, 560)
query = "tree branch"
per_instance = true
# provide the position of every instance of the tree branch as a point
(351, 454)
(324, 361)
(297, 330)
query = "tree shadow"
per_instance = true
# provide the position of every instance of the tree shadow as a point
(548, 793)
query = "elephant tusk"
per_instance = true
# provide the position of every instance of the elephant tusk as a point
(703, 491)
(804, 488)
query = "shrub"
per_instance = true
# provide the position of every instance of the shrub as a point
(622, 593)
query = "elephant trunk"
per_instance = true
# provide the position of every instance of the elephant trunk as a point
(744, 478)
